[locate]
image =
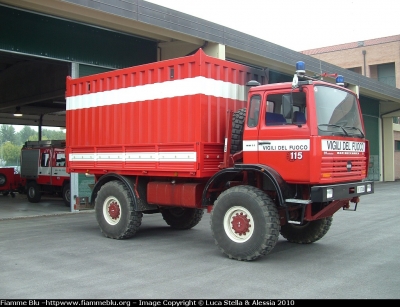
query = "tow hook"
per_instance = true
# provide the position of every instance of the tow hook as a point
(354, 200)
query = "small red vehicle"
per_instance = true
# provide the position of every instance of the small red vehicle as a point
(10, 181)
(43, 170)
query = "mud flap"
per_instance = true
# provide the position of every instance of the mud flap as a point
(82, 203)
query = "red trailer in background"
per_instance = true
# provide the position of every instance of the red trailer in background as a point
(11, 181)
(197, 133)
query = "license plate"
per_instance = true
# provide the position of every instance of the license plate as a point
(361, 189)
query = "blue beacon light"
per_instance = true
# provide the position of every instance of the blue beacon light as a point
(300, 68)
(340, 80)
(300, 65)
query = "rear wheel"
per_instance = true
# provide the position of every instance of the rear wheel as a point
(307, 233)
(33, 192)
(66, 194)
(115, 214)
(245, 223)
(182, 218)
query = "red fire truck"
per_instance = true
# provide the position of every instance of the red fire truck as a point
(44, 171)
(198, 133)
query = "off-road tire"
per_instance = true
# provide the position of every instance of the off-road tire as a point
(308, 233)
(115, 214)
(66, 194)
(245, 223)
(237, 130)
(33, 192)
(182, 218)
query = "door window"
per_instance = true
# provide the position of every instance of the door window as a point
(60, 159)
(45, 160)
(274, 115)
(254, 111)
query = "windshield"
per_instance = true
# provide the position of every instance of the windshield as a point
(337, 112)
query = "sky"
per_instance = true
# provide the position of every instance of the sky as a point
(18, 128)
(299, 25)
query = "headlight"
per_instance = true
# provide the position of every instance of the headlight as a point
(329, 193)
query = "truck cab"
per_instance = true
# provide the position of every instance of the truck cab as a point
(312, 134)
(306, 141)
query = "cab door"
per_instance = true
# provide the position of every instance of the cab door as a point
(44, 174)
(250, 131)
(59, 173)
(284, 143)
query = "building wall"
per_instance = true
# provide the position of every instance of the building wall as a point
(396, 136)
(370, 112)
(374, 55)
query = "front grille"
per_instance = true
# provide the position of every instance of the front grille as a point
(344, 168)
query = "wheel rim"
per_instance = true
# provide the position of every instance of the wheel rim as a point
(31, 192)
(112, 210)
(238, 224)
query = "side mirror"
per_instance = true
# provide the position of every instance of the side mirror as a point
(287, 106)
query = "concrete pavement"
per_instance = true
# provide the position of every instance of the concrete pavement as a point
(63, 255)
(20, 207)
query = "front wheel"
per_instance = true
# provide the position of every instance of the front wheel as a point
(245, 223)
(307, 233)
(33, 192)
(115, 214)
(182, 218)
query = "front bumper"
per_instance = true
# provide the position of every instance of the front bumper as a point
(341, 191)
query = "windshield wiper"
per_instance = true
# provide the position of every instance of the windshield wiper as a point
(332, 125)
(355, 128)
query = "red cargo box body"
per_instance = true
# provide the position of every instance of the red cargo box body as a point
(161, 119)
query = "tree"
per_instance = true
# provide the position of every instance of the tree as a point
(53, 134)
(25, 134)
(7, 133)
(35, 138)
(11, 153)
